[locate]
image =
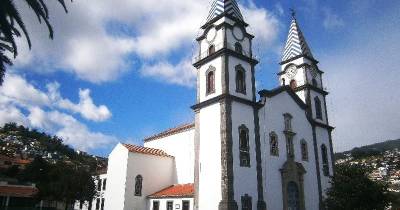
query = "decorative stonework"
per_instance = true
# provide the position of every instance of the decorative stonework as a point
(292, 171)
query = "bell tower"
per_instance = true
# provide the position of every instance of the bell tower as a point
(228, 173)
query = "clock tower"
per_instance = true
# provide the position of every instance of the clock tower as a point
(228, 173)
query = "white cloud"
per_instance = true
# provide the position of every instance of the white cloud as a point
(24, 104)
(99, 44)
(332, 20)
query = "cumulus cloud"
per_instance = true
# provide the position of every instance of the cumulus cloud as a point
(23, 103)
(99, 44)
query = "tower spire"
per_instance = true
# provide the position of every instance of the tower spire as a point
(220, 7)
(296, 44)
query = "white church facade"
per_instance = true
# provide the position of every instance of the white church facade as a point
(243, 151)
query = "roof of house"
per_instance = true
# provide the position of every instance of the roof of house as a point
(178, 190)
(146, 150)
(18, 191)
(170, 132)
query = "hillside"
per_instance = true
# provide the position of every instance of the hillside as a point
(20, 145)
(370, 150)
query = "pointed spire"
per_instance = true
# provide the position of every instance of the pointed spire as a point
(219, 7)
(296, 43)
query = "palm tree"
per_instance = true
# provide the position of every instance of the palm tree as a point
(11, 25)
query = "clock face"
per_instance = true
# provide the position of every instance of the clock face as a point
(314, 72)
(291, 71)
(238, 33)
(211, 34)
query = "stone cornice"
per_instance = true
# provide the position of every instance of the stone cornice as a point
(222, 51)
(312, 87)
(221, 97)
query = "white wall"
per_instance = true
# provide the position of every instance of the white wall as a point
(271, 119)
(217, 63)
(210, 158)
(177, 203)
(323, 138)
(157, 173)
(116, 173)
(181, 146)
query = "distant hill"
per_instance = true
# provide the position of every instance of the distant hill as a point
(370, 150)
(20, 143)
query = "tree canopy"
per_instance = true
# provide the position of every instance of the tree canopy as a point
(352, 190)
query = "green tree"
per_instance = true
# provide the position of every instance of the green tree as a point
(352, 190)
(11, 26)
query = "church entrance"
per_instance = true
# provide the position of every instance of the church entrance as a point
(293, 196)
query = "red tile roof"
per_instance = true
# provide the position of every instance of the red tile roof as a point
(18, 191)
(170, 132)
(178, 190)
(146, 150)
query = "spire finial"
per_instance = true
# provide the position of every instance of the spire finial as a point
(293, 13)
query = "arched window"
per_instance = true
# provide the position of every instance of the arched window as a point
(210, 82)
(325, 166)
(293, 84)
(318, 109)
(293, 196)
(238, 48)
(138, 185)
(273, 144)
(283, 82)
(314, 82)
(240, 80)
(246, 202)
(304, 150)
(244, 148)
(211, 49)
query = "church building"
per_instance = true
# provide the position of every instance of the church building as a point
(243, 151)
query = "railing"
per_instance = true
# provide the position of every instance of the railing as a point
(220, 46)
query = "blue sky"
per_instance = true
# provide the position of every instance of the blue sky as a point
(124, 73)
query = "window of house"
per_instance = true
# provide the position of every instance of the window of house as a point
(293, 84)
(104, 184)
(97, 203)
(289, 146)
(98, 184)
(304, 150)
(273, 143)
(102, 204)
(185, 205)
(246, 202)
(138, 185)
(211, 49)
(156, 205)
(244, 148)
(314, 82)
(318, 108)
(238, 48)
(293, 202)
(210, 83)
(325, 166)
(170, 205)
(288, 121)
(240, 80)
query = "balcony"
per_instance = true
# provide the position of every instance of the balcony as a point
(220, 46)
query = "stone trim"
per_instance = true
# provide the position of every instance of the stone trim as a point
(299, 56)
(238, 68)
(211, 68)
(244, 128)
(196, 159)
(223, 96)
(292, 171)
(225, 51)
(261, 205)
(317, 166)
(227, 187)
(312, 87)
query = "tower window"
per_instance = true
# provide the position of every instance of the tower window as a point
(138, 185)
(156, 205)
(211, 49)
(210, 81)
(293, 84)
(273, 144)
(238, 48)
(246, 202)
(318, 109)
(325, 166)
(240, 80)
(314, 82)
(283, 82)
(304, 150)
(98, 184)
(244, 148)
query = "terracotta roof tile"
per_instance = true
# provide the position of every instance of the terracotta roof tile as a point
(18, 191)
(146, 150)
(178, 190)
(170, 132)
